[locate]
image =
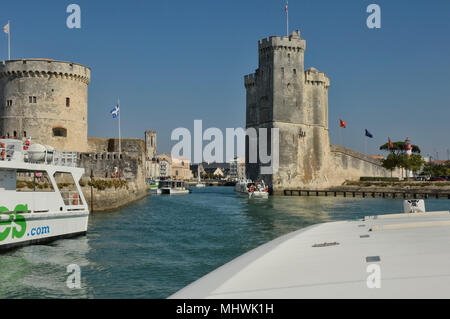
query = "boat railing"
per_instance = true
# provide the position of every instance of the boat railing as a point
(71, 198)
(12, 150)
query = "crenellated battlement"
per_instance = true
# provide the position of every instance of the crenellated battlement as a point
(44, 68)
(293, 42)
(250, 80)
(315, 77)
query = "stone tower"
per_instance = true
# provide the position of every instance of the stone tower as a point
(281, 94)
(45, 100)
(150, 145)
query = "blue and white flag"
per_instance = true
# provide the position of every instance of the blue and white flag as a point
(115, 112)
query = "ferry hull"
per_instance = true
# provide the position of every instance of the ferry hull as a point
(24, 229)
(174, 191)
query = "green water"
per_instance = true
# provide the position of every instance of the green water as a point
(157, 246)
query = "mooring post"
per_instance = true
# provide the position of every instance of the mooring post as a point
(92, 192)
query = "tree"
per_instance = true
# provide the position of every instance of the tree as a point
(399, 148)
(433, 169)
(414, 163)
(399, 158)
(391, 162)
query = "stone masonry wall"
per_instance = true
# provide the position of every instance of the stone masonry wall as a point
(111, 199)
(347, 164)
(45, 100)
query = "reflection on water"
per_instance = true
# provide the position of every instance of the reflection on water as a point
(154, 247)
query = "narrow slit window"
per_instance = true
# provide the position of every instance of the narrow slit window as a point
(67, 101)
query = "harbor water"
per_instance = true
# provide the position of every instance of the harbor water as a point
(158, 245)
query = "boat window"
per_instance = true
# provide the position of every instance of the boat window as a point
(68, 189)
(33, 181)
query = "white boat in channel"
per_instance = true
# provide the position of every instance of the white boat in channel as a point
(154, 187)
(169, 187)
(252, 189)
(199, 182)
(35, 204)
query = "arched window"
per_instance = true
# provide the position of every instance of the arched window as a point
(59, 132)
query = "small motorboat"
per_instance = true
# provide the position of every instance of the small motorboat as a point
(252, 189)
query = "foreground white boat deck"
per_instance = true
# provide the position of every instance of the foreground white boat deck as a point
(411, 250)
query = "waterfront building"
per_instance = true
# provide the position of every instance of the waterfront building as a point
(152, 169)
(152, 166)
(181, 169)
(237, 169)
(165, 166)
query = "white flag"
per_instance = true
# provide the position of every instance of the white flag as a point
(6, 28)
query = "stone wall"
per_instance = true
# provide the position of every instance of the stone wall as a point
(347, 164)
(129, 145)
(103, 165)
(111, 199)
(45, 100)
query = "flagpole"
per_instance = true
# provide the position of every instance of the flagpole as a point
(9, 40)
(120, 143)
(287, 18)
(365, 145)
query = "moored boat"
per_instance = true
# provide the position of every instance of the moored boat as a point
(252, 189)
(199, 182)
(154, 187)
(172, 187)
(40, 195)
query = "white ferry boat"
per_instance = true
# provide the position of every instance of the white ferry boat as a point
(40, 196)
(386, 256)
(169, 187)
(252, 189)
(154, 187)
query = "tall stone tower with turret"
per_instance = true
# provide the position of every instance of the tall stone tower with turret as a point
(46, 100)
(281, 94)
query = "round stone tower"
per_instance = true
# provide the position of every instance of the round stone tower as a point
(45, 100)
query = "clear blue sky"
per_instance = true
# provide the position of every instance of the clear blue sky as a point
(175, 61)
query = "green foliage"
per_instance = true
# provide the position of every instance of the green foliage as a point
(399, 148)
(433, 169)
(414, 163)
(392, 161)
(399, 158)
(102, 184)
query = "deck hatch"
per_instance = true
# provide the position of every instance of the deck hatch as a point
(325, 245)
(373, 259)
